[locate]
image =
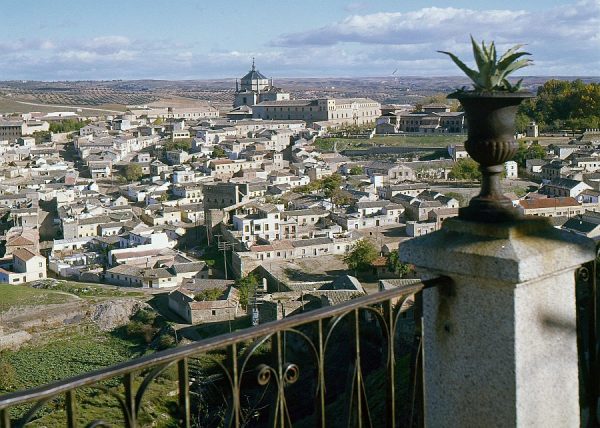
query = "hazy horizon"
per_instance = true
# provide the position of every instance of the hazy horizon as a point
(232, 78)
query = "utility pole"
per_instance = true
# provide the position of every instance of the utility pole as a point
(224, 246)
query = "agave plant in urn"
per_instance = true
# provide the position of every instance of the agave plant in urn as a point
(490, 110)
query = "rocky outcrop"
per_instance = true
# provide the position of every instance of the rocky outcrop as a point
(45, 317)
(114, 313)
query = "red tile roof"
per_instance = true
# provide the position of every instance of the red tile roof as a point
(532, 204)
(24, 254)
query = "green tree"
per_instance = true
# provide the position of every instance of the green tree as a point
(360, 256)
(210, 294)
(67, 125)
(524, 152)
(561, 103)
(183, 144)
(465, 169)
(521, 122)
(133, 172)
(331, 183)
(218, 152)
(395, 265)
(246, 286)
(158, 121)
(42, 136)
(309, 188)
(341, 197)
(357, 170)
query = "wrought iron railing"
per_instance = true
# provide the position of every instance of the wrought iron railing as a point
(588, 327)
(353, 364)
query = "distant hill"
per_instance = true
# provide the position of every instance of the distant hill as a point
(388, 89)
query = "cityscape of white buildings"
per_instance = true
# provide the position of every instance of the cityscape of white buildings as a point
(247, 183)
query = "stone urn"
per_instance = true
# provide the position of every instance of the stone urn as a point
(490, 142)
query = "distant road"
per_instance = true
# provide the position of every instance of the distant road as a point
(73, 107)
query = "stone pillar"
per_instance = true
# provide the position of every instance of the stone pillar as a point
(500, 343)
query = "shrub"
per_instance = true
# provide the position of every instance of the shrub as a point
(165, 341)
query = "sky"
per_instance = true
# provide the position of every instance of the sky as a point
(184, 39)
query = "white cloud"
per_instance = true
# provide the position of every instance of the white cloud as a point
(563, 40)
(424, 25)
(565, 36)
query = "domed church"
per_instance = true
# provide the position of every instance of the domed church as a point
(254, 88)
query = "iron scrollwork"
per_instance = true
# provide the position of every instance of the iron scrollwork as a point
(300, 356)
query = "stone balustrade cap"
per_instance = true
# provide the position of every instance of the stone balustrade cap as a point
(511, 252)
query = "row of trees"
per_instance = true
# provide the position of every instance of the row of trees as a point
(562, 104)
(67, 125)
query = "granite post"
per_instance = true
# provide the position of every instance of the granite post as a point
(500, 343)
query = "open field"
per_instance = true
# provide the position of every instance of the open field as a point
(66, 353)
(12, 105)
(429, 141)
(90, 290)
(21, 296)
(69, 353)
(180, 102)
(546, 141)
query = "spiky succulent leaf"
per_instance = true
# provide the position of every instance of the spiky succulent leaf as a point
(478, 53)
(504, 63)
(511, 88)
(512, 50)
(491, 72)
(515, 66)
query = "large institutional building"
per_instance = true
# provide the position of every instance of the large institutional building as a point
(329, 111)
(433, 118)
(271, 103)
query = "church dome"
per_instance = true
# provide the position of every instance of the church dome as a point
(254, 74)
